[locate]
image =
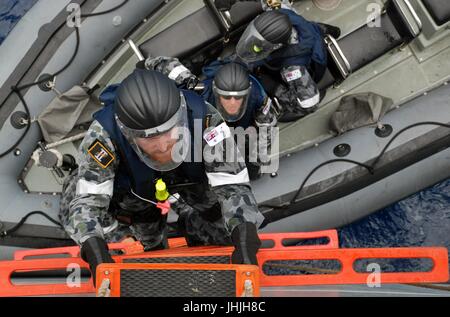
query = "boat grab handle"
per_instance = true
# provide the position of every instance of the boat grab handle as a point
(332, 43)
(414, 15)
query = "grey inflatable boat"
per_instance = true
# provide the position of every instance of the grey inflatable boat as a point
(325, 179)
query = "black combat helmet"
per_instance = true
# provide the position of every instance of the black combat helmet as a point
(274, 26)
(146, 99)
(232, 81)
(232, 77)
(264, 35)
(152, 112)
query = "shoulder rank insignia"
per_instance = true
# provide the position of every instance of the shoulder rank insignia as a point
(101, 154)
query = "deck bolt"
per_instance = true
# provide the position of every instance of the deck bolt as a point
(117, 20)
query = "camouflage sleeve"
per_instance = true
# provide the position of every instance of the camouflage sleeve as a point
(172, 68)
(95, 181)
(266, 115)
(266, 123)
(228, 175)
(266, 112)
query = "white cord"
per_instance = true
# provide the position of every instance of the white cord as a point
(149, 201)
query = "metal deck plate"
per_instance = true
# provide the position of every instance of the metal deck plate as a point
(148, 283)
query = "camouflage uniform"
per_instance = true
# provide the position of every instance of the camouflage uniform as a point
(172, 68)
(209, 212)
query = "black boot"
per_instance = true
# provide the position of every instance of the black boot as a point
(246, 244)
(94, 251)
(334, 31)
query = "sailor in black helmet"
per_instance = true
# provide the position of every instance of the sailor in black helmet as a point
(240, 99)
(147, 138)
(237, 95)
(228, 86)
(283, 47)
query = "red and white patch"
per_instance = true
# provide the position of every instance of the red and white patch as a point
(293, 75)
(217, 135)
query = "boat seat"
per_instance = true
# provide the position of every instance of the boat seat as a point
(198, 30)
(439, 10)
(399, 24)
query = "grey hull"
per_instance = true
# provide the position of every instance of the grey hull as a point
(341, 193)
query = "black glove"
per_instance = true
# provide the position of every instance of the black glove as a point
(94, 251)
(224, 5)
(140, 65)
(246, 244)
(284, 97)
(191, 82)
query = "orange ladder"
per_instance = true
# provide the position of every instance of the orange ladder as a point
(135, 259)
(278, 240)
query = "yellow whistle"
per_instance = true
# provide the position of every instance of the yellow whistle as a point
(161, 193)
